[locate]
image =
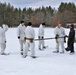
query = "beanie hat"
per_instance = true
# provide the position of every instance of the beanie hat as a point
(72, 25)
(29, 23)
(43, 23)
(22, 21)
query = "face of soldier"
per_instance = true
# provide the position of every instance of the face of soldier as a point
(59, 25)
(22, 24)
(43, 25)
(70, 27)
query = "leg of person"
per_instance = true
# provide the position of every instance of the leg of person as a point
(72, 48)
(32, 45)
(39, 44)
(67, 49)
(57, 48)
(62, 46)
(43, 44)
(21, 46)
(3, 46)
(26, 48)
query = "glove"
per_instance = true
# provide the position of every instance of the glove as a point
(38, 37)
(42, 37)
(18, 37)
(64, 39)
(5, 41)
(24, 38)
(56, 37)
(31, 40)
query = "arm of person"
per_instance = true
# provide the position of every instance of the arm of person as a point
(18, 32)
(5, 28)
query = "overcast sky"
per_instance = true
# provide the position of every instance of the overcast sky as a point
(35, 3)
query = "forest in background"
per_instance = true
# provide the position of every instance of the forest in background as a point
(11, 16)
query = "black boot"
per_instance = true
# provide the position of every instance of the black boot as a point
(3, 54)
(21, 49)
(72, 53)
(56, 51)
(21, 53)
(34, 57)
(67, 49)
(39, 48)
(24, 56)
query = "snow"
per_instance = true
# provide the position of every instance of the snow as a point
(47, 63)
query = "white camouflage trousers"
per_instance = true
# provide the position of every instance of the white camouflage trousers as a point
(61, 43)
(41, 43)
(21, 44)
(27, 46)
(3, 47)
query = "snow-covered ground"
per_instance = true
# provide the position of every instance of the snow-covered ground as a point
(47, 63)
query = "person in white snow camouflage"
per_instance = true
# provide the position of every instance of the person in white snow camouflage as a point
(41, 36)
(3, 30)
(59, 32)
(30, 35)
(21, 35)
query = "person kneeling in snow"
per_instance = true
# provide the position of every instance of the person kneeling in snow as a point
(3, 29)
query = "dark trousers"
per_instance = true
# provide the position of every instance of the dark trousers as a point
(71, 47)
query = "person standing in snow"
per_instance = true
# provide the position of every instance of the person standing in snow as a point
(59, 32)
(71, 39)
(3, 30)
(21, 35)
(30, 35)
(41, 36)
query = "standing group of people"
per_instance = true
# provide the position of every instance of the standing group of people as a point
(60, 37)
(26, 36)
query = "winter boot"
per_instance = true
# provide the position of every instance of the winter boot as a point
(62, 52)
(56, 51)
(67, 49)
(39, 48)
(3, 54)
(21, 53)
(24, 56)
(34, 57)
(71, 53)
